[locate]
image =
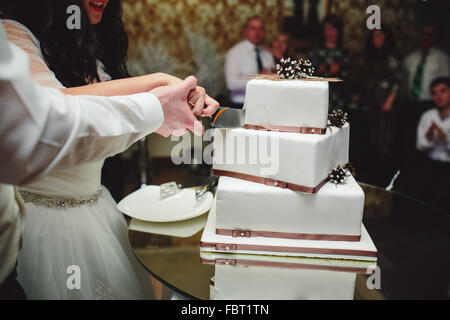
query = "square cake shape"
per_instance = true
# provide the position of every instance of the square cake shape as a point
(248, 209)
(286, 103)
(300, 159)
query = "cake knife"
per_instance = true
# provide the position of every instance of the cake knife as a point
(228, 118)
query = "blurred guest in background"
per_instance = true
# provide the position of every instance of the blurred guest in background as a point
(331, 59)
(420, 68)
(383, 78)
(433, 138)
(280, 47)
(434, 126)
(246, 58)
(425, 64)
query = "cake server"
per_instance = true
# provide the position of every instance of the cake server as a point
(228, 118)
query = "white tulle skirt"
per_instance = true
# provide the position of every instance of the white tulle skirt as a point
(80, 253)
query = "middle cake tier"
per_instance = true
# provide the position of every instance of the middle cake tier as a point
(248, 209)
(301, 162)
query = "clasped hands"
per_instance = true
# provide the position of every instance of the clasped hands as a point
(436, 133)
(183, 102)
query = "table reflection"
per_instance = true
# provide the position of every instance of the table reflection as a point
(412, 238)
(239, 277)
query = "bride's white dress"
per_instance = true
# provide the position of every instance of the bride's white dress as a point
(75, 243)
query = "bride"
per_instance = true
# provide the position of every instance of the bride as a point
(72, 221)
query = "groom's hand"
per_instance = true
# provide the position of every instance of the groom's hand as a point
(178, 115)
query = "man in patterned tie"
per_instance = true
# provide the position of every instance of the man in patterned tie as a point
(245, 58)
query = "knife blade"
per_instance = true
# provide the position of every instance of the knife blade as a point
(228, 118)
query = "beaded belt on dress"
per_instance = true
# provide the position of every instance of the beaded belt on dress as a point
(60, 203)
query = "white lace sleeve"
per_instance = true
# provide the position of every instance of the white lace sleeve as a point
(22, 37)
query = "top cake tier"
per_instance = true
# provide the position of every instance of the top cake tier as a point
(290, 103)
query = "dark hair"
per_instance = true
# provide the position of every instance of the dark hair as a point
(250, 19)
(337, 24)
(440, 80)
(388, 46)
(437, 30)
(72, 54)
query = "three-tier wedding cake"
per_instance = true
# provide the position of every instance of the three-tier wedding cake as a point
(285, 187)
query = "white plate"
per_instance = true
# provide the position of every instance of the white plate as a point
(181, 229)
(145, 204)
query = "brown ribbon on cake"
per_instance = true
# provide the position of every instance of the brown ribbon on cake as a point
(252, 247)
(269, 182)
(304, 130)
(285, 235)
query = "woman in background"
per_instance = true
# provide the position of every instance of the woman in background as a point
(332, 60)
(280, 47)
(72, 222)
(383, 76)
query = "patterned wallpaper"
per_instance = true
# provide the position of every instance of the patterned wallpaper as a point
(185, 37)
(398, 14)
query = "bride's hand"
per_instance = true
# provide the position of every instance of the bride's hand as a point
(178, 115)
(197, 98)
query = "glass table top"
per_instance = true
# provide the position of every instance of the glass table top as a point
(412, 238)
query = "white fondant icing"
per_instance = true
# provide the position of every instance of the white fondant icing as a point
(286, 103)
(333, 210)
(302, 159)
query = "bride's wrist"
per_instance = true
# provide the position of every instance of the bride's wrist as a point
(158, 79)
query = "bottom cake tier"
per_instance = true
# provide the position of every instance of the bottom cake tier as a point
(364, 249)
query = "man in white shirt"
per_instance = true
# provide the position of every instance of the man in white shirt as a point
(421, 67)
(246, 58)
(425, 64)
(41, 128)
(433, 131)
(432, 170)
